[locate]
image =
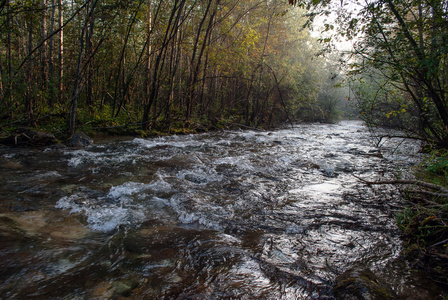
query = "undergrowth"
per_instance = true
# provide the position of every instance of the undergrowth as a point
(424, 221)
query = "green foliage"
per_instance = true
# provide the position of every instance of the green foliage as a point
(170, 66)
(436, 167)
(381, 103)
(424, 221)
(400, 49)
(439, 167)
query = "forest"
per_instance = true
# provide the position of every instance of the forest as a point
(160, 66)
(165, 68)
(184, 66)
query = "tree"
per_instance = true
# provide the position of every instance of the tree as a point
(159, 65)
(406, 41)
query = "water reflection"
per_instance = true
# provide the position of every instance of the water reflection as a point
(273, 215)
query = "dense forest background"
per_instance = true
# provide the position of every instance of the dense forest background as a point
(163, 66)
(150, 66)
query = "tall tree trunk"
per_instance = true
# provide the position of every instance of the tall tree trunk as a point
(51, 94)
(2, 99)
(7, 93)
(77, 80)
(159, 61)
(28, 97)
(89, 52)
(122, 89)
(75, 94)
(43, 50)
(175, 65)
(61, 51)
(196, 62)
(148, 53)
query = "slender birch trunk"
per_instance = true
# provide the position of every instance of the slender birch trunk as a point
(61, 51)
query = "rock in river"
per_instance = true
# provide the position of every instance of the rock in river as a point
(79, 139)
(360, 283)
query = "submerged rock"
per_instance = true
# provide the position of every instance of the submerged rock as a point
(43, 223)
(360, 283)
(80, 140)
(11, 164)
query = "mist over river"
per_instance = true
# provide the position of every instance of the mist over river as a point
(221, 215)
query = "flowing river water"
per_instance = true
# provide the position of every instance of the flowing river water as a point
(222, 215)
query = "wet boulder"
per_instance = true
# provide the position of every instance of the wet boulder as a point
(359, 283)
(329, 171)
(79, 140)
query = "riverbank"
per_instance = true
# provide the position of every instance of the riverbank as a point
(424, 221)
(51, 134)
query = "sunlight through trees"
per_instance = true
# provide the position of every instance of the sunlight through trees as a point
(157, 64)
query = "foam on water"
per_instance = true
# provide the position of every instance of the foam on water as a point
(193, 218)
(103, 217)
(160, 185)
(127, 189)
(109, 212)
(242, 162)
(81, 157)
(199, 175)
(179, 204)
(172, 141)
(325, 187)
(46, 175)
(265, 214)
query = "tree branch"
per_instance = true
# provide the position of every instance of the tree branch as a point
(419, 183)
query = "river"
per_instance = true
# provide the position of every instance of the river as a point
(221, 215)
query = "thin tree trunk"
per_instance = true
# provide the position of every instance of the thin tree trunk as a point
(89, 51)
(125, 83)
(77, 80)
(148, 52)
(61, 51)
(28, 96)
(159, 61)
(196, 63)
(50, 55)
(43, 33)
(8, 26)
(1, 86)
(7, 94)
(74, 102)
(174, 65)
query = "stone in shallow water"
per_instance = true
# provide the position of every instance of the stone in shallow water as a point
(360, 283)
(11, 164)
(103, 290)
(79, 139)
(47, 223)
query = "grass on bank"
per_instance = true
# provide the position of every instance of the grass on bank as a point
(424, 221)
